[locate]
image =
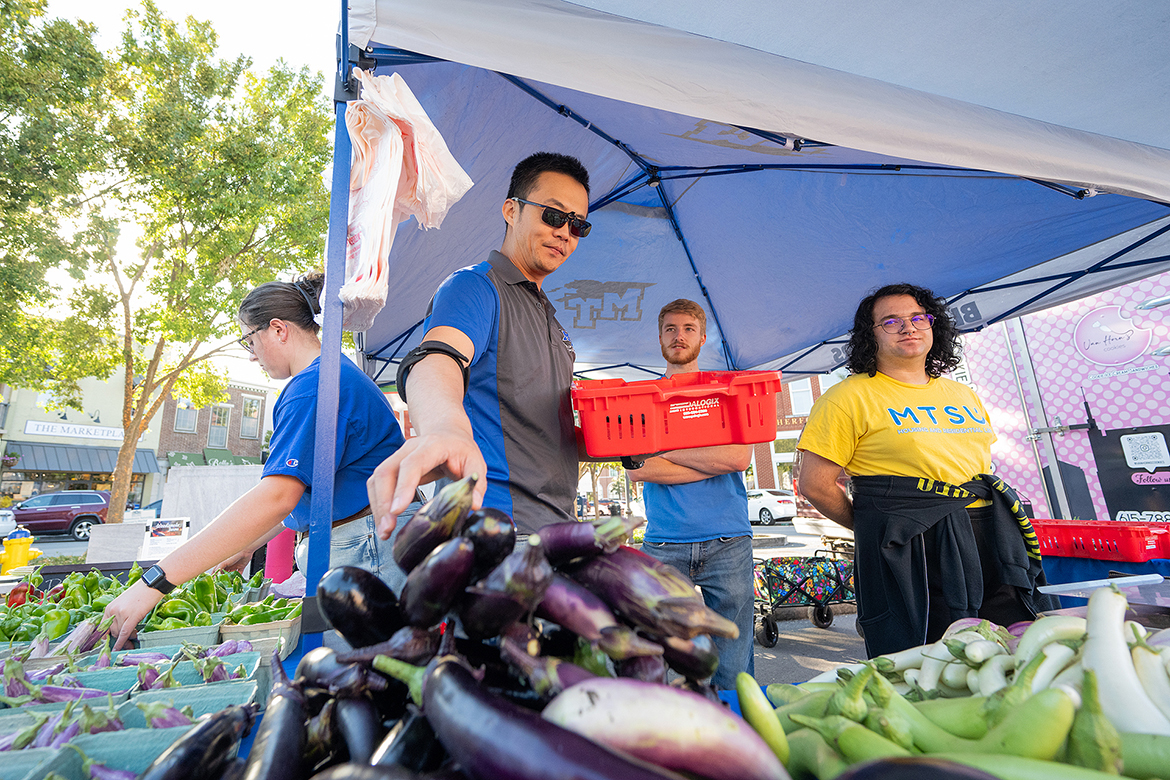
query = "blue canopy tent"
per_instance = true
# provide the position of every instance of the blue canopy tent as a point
(775, 162)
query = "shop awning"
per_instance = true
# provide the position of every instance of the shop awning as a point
(76, 459)
(217, 457)
(186, 459)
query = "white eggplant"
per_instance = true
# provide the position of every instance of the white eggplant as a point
(1057, 657)
(1045, 631)
(1123, 700)
(665, 726)
(1152, 673)
(992, 675)
(979, 652)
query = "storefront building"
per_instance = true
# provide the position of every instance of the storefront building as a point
(231, 432)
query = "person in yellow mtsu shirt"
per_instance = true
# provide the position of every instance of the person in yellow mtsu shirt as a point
(937, 538)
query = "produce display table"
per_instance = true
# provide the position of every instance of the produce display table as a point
(1060, 570)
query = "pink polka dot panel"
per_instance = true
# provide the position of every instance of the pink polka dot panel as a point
(1100, 350)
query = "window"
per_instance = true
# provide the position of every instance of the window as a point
(250, 422)
(37, 501)
(800, 392)
(186, 416)
(217, 435)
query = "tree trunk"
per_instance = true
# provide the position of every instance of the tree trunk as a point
(596, 498)
(123, 474)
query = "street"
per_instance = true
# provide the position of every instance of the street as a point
(59, 544)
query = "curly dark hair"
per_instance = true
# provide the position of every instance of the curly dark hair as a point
(945, 353)
(295, 302)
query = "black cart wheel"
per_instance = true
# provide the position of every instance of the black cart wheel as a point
(821, 617)
(767, 632)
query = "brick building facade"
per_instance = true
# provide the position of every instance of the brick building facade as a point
(231, 431)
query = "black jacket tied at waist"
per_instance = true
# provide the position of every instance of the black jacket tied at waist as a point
(892, 516)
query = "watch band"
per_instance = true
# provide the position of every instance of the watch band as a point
(156, 578)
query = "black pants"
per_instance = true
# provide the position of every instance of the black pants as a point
(1001, 603)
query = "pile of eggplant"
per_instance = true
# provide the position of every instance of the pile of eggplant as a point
(506, 661)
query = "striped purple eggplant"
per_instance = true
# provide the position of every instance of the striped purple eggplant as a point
(547, 675)
(494, 535)
(433, 586)
(564, 542)
(163, 715)
(666, 726)
(571, 606)
(493, 739)
(510, 591)
(437, 521)
(654, 596)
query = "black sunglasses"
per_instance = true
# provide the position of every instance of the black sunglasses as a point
(555, 218)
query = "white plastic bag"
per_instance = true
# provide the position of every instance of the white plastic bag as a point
(401, 168)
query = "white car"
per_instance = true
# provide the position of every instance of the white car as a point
(7, 522)
(768, 506)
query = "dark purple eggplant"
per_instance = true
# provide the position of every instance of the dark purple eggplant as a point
(364, 772)
(411, 744)
(279, 745)
(321, 738)
(571, 606)
(205, 750)
(494, 535)
(437, 521)
(654, 596)
(433, 586)
(234, 771)
(547, 675)
(564, 542)
(359, 606)
(320, 668)
(913, 768)
(696, 659)
(493, 739)
(649, 668)
(410, 643)
(706, 690)
(360, 727)
(510, 591)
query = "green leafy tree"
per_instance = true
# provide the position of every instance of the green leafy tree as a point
(218, 173)
(52, 114)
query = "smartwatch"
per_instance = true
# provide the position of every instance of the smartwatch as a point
(156, 578)
(630, 464)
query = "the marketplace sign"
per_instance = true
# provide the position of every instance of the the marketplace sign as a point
(42, 428)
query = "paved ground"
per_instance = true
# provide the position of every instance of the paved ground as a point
(803, 650)
(51, 544)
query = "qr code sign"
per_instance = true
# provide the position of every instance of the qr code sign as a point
(1145, 451)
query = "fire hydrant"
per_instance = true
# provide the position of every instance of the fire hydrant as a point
(18, 550)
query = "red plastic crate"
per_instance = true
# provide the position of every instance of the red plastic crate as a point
(699, 409)
(1103, 540)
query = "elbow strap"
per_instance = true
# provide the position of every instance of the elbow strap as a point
(430, 348)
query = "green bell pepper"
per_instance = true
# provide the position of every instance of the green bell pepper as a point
(202, 619)
(135, 574)
(102, 601)
(167, 624)
(257, 580)
(56, 623)
(201, 592)
(177, 608)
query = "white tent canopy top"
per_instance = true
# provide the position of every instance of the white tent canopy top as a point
(776, 161)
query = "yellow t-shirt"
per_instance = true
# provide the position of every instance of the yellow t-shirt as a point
(879, 426)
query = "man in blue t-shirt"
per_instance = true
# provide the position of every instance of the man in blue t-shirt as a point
(488, 387)
(696, 506)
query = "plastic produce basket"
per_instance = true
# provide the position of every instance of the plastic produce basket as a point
(202, 699)
(699, 409)
(132, 750)
(1103, 540)
(200, 635)
(288, 630)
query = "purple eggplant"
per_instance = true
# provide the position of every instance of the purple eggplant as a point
(359, 606)
(103, 659)
(571, 606)
(230, 647)
(564, 542)
(360, 727)
(696, 658)
(409, 643)
(321, 736)
(706, 690)
(280, 739)
(493, 739)
(437, 521)
(44, 674)
(85, 635)
(494, 535)
(98, 721)
(654, 596)
(55, 693)
(144, 657)
(410, 744)
(320, 668)
(19, 740)
(207, 749)
(433, 586)
(547, 675)
(71, 730)
(212, 669)
(648, 668)
(15, 683)
(48, 731)
(510, 591)
(39, 648)
(361, 772)
(163, 715)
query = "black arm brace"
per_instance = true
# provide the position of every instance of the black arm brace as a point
(420, 352)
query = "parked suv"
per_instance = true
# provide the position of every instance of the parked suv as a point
(70, 511)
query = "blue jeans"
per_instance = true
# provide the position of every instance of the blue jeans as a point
(722, 568)
(356, 544)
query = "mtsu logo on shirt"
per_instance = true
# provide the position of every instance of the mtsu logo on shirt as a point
(919, 415)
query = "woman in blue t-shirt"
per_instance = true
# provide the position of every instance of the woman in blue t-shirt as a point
(279, 324)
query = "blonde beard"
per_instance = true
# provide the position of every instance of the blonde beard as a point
(689, 357)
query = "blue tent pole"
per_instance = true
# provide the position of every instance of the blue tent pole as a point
(328, 389)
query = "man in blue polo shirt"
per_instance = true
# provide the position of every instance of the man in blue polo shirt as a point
(488, 388)
(696, 506)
